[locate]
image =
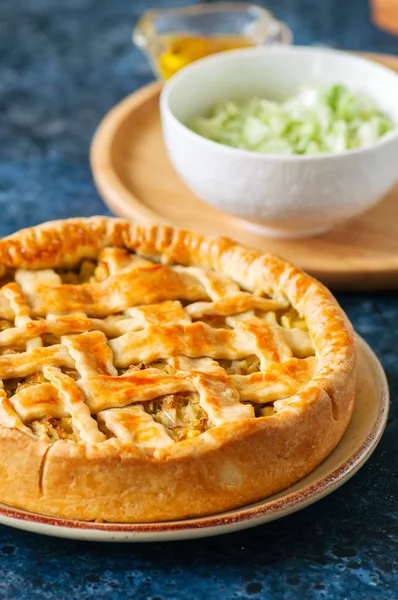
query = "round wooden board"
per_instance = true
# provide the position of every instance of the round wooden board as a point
(135, 178)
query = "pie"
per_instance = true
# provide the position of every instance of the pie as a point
(150, 374)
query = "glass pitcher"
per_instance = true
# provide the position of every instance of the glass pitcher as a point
(175, 37)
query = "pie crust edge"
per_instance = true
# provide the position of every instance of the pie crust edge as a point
(228, 466)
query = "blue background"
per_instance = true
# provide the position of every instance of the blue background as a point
(63, 65)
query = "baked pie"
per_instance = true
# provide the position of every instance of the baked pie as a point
(150, 374)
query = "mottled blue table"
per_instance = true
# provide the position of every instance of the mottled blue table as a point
(63, 64)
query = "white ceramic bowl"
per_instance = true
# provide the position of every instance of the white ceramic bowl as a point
(286, 196)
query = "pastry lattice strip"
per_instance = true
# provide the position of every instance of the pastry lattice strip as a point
(123, 289)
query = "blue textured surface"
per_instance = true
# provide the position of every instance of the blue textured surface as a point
(62, 66)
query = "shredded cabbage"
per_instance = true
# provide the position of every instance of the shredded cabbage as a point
(181, 414)
(316, 120)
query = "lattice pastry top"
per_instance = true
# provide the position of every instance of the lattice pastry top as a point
(158, 343)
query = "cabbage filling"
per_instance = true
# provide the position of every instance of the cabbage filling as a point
(55, 429)
(5, 324)
(181, 415)
(13, 386)
(264, 411)
(89, 271)
(246, 366)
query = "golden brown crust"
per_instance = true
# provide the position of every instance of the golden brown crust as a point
(225, 467)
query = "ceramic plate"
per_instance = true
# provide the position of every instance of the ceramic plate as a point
(361, 438)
